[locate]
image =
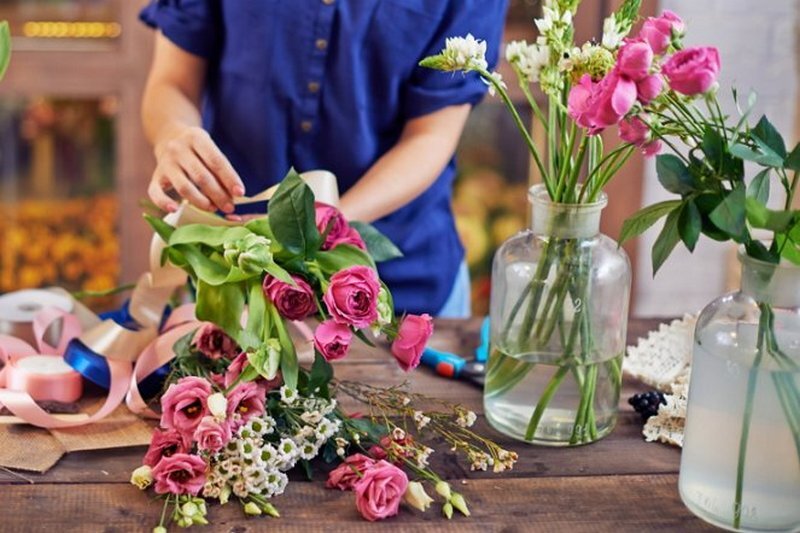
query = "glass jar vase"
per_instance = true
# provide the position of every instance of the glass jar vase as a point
(740, 465)
(559, 312)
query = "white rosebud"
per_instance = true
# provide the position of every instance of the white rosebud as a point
(218, 405)
(416, 496)
(142, 477)
(443, 490)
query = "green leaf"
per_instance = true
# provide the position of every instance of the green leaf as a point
(360, 334)
(257, 316)
(768, 138)
(292, 216)
(729, 216)
(789, 248)
(208, 270)
(260, 226)
(690, 223)
(213, 236)
(759, 187)
(759, 216)
(341, 257)
(182, 346)
(767, 158)
(792, 161)
(223, 305)
(673, 174)
(321, 375)
(713, 146)
(643, 219)
(163, 229)
(757, 250)
(289, 365)
(666, 240)
(5, 48)
(378, 244)
(276, 271)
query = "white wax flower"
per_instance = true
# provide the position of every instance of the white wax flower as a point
(529, 59)
(612, 36)
(464, 53)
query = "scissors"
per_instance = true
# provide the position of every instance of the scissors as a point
(450, 365)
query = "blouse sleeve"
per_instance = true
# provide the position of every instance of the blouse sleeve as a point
(430, 90)
(190, 24)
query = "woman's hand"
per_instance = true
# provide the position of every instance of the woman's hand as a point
(194, 167)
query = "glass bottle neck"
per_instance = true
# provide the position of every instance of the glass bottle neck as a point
(564, 221)
(776, 285)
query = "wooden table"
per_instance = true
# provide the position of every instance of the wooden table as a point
(620, 483)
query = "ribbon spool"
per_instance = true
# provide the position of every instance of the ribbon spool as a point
(44, 377)
(18, 309)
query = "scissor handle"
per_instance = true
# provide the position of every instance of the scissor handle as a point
(445, 364)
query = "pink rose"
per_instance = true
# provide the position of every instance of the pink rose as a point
(332, 340)
(693, 70)
(380, 490)
(578, 103)
(648, 89)
(329, 216)
(636, 132)
(293, 302)
(411, 339)
(657, 31)
(353, 238)
(164, 444)
(246, 400)
(180, 474)
(612, 98)
(214, 343)
(212, 436)
(352, 296)
(347, 474)
(634, 60)
(184, 405)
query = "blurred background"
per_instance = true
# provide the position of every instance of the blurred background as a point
(74, 164)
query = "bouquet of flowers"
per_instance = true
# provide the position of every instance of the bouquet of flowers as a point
(239, 411)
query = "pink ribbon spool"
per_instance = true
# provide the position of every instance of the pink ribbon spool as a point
(44, 378)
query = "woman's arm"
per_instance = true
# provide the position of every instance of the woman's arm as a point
(407, 170)
(187, 159)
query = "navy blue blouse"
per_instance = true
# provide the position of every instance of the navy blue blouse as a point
(330, 84)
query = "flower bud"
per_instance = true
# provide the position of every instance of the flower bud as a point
(271, 510)
(459, 503)
(225, 494)
(252, 509)
(189, 509)
(159, 529)
(218, 405)
(416, 496)
(142, 477)
(443, 490)
(447, 510)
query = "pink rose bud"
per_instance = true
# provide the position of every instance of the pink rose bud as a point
(332, 340)
(214, 343)
(165, 443)
(411, 339)
(184, 405)
(328, 216)
(293, 302)
(212, 436)
(247, 401)
(180, 474)
(352, 296)
(380, 491)
(347, 474)
(636, 132)
(634, 60)
(692, 71)
(352, 237)
(578, 103)
(657, 31)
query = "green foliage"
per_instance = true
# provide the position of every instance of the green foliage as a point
(321, 374)
(5, 47)
(666, 240)
(729, 215)
(674, 175)
(378, 245)
(645, 218)
(690, 223)
(292, 216)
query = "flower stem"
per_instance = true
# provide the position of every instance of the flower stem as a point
(548, 394)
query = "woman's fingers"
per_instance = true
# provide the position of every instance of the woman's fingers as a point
(203, 180)
(216, 162)
(156, 193)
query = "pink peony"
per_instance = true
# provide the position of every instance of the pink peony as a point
(347, 474)
(212, 436)
(412, 337)
(214, 343)
(180, 474)
(165, 443)
(693, 70)
(246, 400)
(329, 216)
(612, 98)
(647, 89)
(657, 31)
(352, 296)
(634, 60)
(380, 490)
(184, 405)
(636, 132)
(293, 302)
(578, 103)
(332, 340)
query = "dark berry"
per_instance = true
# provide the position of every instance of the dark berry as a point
(646, 403)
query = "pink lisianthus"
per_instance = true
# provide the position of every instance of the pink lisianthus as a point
(636, 132)
(347, 474)
(692, 71)
(579, 102)
(214, 343)
(247, 401)
(340, 231)
(352, 296)
(165, 443)
(634, 60)
(293, 302)
(657, 31)
(212, 436)
(380, 490)
(184, 405)
(332, 340)
(180, 474)
(412, 336)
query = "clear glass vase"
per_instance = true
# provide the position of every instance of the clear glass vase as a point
(559, 311)
(740, 465)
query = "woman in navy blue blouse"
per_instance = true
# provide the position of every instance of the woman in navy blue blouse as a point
(240, 90)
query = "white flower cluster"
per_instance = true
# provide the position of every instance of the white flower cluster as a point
(254, 461)
(466, 418)
(464, 53)
(553, 24)
(529, 59)
(482, 460)
(613, 33)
